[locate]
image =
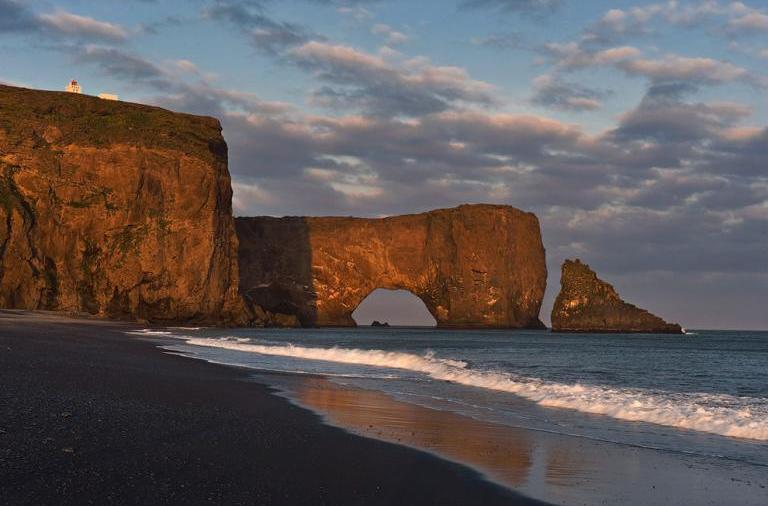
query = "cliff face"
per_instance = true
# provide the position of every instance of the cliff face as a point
(114, 209)
(473, 266)
(588, 304)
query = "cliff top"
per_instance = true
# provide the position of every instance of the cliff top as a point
(70, 118)
(460, 208)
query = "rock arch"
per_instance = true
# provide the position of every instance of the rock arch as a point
(473, 266)
(396, 307)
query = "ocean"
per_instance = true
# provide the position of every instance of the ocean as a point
(699, 397)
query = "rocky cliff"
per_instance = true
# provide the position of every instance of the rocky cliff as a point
(473, 266)
(114, 209)
(588, 304)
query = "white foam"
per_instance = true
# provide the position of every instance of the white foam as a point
(150, 332)
(742, 417)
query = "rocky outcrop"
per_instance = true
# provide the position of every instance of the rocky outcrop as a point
(588, 304)
(114, 209)
(473, 266)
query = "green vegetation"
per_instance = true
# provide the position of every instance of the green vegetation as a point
(90, 121)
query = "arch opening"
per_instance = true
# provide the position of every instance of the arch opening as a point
(396, 307)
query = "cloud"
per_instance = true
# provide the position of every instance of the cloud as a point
(123, 65)
(584, 188)
(265, 33)
(17, 17)
(501, 41)
(675, 122)
(521, 6)
(574, 56)
(673, 67)
(553, 92)
(750, 22)
(731, 19)
(392, 37)
(381, 86)
(82, 26)
(357, 12)
(571, 55)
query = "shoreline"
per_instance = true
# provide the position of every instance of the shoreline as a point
(559, 467)
(91, 415)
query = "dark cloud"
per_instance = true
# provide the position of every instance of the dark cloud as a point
(155, 27)
(670, 91)
(264, 32)
(15, 17)
(502, 41)
(522, 6)
(385, 86)
(379, 99)
(556, 93)
(123, 65)
(664, 118)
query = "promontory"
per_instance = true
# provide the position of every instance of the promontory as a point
(114, 209)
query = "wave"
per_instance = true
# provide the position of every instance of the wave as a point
(150, 332)
(726, 415)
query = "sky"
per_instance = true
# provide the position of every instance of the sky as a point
(636, 131)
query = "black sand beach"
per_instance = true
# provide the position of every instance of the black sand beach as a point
(90, 416)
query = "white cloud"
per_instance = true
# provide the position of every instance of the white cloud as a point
(73, 24)
(673, 67)
(378, 84)
(391, 35)
(753, 21)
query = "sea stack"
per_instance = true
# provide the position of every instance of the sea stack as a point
(586, 303)
(114, 209)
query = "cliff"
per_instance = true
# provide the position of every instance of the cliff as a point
(473, 266)
(588, 304)
(114, 209)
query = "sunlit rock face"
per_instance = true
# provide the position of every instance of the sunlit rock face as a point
(114, 209)
(473, 266)
(588, 304)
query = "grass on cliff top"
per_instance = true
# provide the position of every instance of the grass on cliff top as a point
(91, 121)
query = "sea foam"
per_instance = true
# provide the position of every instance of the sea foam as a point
(742, 417)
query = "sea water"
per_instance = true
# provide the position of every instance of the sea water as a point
(703, 394)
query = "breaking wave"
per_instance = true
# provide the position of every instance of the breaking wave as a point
(726, 415)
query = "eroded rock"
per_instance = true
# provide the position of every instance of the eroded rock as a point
(114, 209)
(473, 266)
(588, 304)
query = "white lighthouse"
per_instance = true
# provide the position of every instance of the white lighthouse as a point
(74, 87)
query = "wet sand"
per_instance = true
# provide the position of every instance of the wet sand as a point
(556, 468)
(90, 416)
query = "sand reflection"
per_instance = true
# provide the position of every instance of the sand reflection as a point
(503, 453)
(552, 467)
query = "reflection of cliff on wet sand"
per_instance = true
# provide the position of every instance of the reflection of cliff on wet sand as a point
(556, 468)
(504, 453)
